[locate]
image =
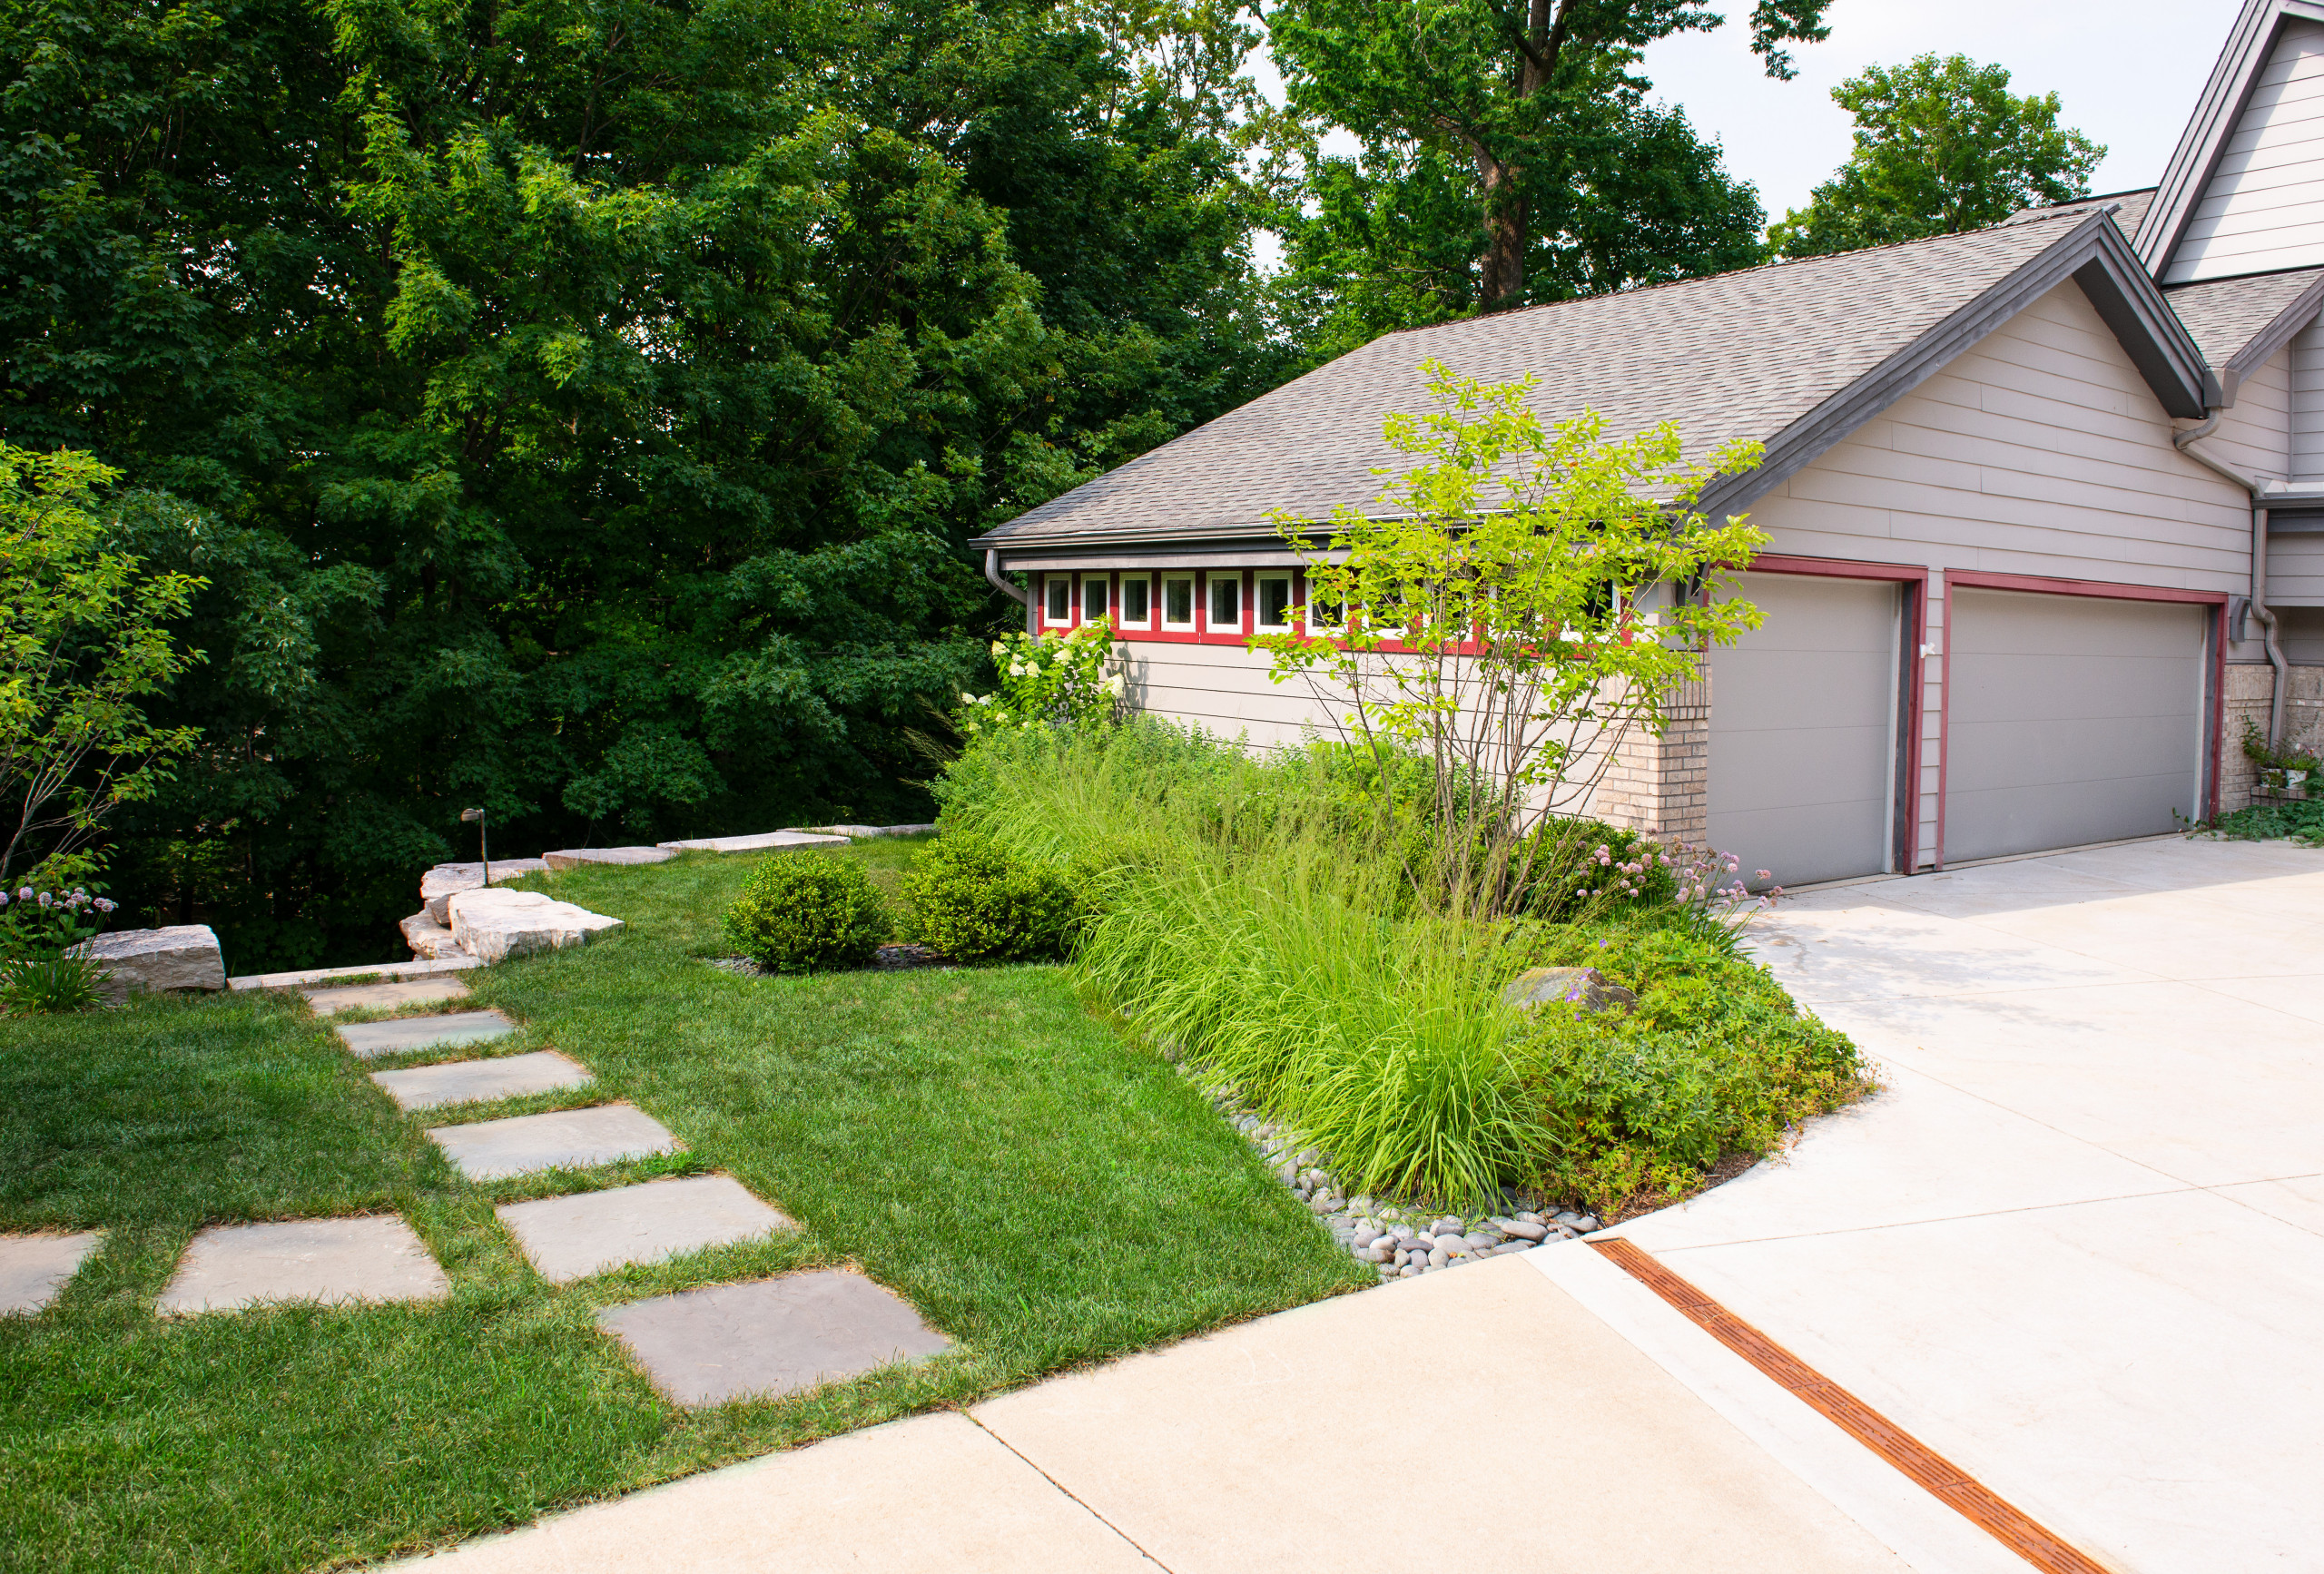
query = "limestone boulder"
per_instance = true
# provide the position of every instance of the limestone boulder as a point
(429, 940)
(436, 886)
(575, 856)
(494, 925)
(180, 956)
(1584, 987)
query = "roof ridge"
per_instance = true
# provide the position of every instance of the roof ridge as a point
(1769, 266)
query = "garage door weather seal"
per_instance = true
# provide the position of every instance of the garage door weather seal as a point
(2029, 1539)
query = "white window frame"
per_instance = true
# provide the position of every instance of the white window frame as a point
(1051, 583)
(1211, 582)
(1194, 603)
(1122, 599)
(1103, 583)
(1259, 601)
(1333, 628)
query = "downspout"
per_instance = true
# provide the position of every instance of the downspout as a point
(992, 578)
(2185, 443)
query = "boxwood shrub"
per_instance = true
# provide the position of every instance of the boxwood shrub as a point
(804, 912)
(975, 903)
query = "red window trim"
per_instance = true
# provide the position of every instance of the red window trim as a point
(2096, 590)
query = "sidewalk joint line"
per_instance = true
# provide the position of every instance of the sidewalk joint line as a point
(1947, 1482)
(1127, 1539)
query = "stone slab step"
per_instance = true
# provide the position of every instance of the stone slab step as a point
(412, 969)
(330, 1000)
(563, 1139)
(371, 1040)
(864, 832)
(231, 1266)
(180, 956)
(575, 856)
(764, 840)
(570, 1238)
(493, 926)
(34, 1268)
(437, 885)
(774, 1336)
(467, 1081)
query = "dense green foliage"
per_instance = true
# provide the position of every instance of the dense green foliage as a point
(1043, 1191)
(1253, 920)
(1508, 156)
(801, 913)
(974, 902)
(48, 983)
(2302, 820)
(1942, 145)
(84, 644)
(577, 409)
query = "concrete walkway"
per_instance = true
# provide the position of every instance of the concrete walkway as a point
(2076, 1247)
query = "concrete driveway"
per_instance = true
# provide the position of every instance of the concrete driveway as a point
(2077, 1244)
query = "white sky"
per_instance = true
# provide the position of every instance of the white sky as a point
(2126, 72)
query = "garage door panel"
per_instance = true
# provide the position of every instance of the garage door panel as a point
(2070, 720)
(1802, 731)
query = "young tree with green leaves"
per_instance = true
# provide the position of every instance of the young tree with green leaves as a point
(1532, 108)
(1490, 616)
(84, 640)
(1942, 145)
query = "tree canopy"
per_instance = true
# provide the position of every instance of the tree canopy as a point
(1510, 153)
(577, 410)
(1942, 145)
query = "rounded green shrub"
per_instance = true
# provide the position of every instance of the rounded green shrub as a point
(975, 903)
(801, 912)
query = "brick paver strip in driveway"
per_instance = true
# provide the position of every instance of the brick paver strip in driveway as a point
(464, 1081)
(230, 1266)
(384, 997)
(569, 1238)
(369, 1040)
(564, 1139)
(772, 1337)
(34, 1268)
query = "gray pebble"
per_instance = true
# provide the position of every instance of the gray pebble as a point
(1438, 1256)
(1411, 1271)
(1525, 1229)
(1477, 1240)
(1365, 1234)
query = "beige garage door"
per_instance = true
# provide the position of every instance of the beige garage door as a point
(2071, 720)
(1803, 729)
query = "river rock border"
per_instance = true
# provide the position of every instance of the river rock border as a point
(1400, 1240)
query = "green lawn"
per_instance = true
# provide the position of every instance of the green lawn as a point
(1044, 1191)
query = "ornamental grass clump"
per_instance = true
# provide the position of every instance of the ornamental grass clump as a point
(800, 912)
(975, 901)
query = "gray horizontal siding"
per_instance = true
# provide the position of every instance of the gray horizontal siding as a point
(2264, 206)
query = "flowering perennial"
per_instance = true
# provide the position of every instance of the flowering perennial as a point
(1048, 678)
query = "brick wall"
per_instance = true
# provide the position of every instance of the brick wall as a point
(1661, 785)
(2248, 688)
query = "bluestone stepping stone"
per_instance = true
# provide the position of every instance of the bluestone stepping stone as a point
(763, 841)
(570, 1238)
(562, 1139)
(231, 1266)
(384, 997)
(34, 1268)
(771, 1337)
(465, 1081)
(372, 1039)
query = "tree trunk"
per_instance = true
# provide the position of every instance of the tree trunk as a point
(1501, 280)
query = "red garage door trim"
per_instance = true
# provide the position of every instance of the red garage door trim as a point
(1973, 579)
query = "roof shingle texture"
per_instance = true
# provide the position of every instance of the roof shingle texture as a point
(2130, 207)
(1736, 355)
(2226, 314)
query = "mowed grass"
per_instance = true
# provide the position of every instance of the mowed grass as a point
(1042, 1189)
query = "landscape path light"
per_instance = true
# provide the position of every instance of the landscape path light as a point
(483, 841)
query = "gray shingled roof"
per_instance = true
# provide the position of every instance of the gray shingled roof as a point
(2226, 314)
(2131, 206)
(1737, 355)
